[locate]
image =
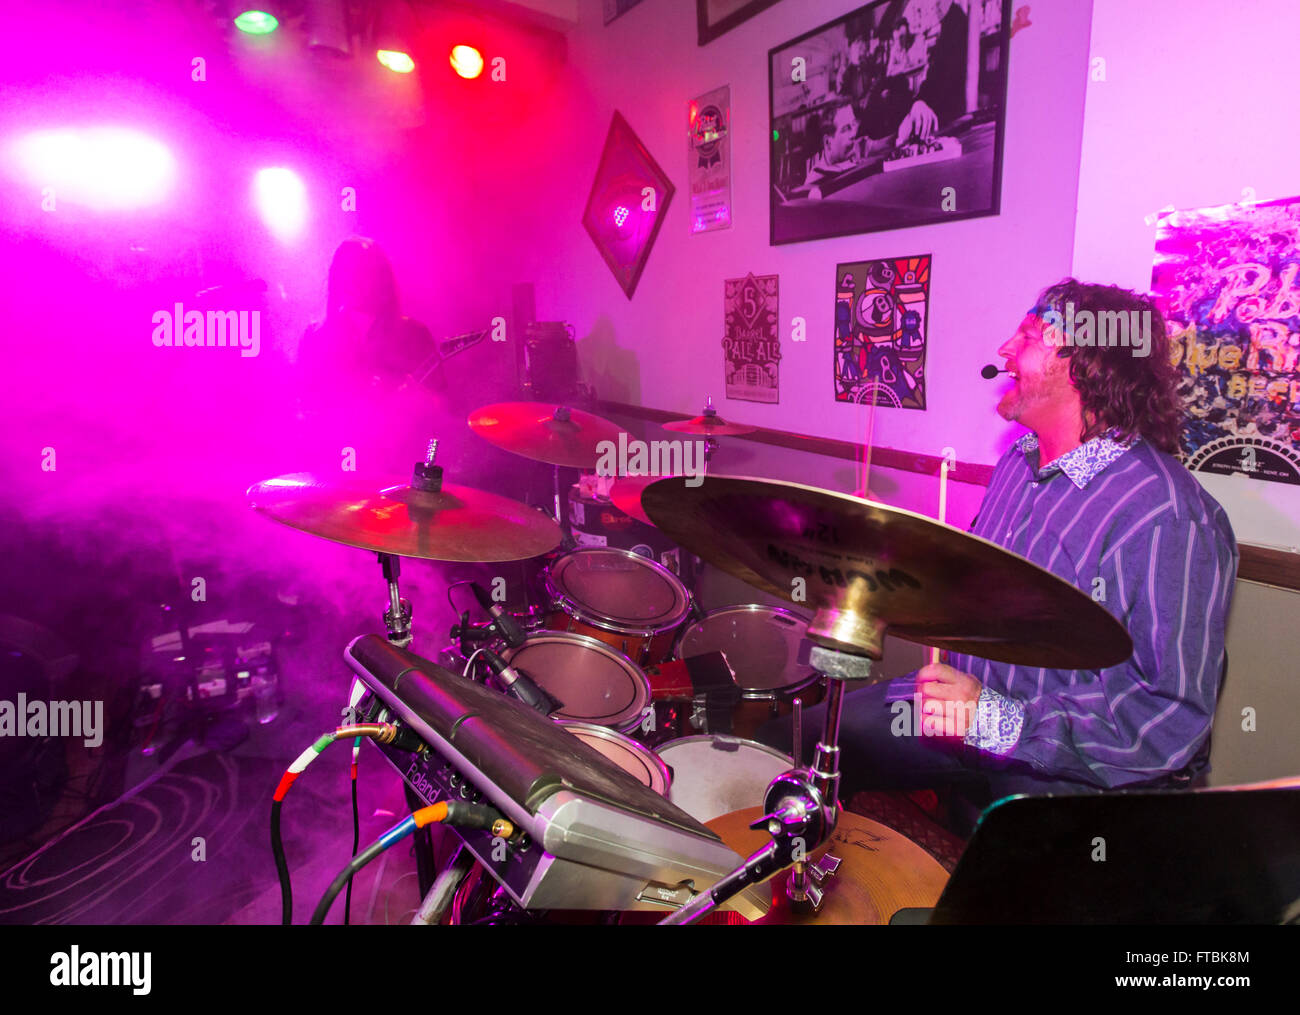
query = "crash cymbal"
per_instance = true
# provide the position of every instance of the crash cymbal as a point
(626, 495)
(868, 569)
(545, 432)
(709, 425)
(457, 523)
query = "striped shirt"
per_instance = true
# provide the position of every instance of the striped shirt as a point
(1130, 526)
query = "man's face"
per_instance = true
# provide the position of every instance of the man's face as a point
(1040, 378)
(844, 130)
(857, 51)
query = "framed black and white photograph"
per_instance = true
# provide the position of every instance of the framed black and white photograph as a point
(891, 116)
(717, 17)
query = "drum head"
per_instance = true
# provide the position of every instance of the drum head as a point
(618, 590)
(595, 683)
(712, 776)
(766, 647)
(639, 762)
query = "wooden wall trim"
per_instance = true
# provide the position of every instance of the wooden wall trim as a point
(1258, 563)
(889, 458)
(1268, 566)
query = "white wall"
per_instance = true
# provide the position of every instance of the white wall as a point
(663, 348)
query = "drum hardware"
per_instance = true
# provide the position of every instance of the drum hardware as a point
(439, 899)
(867, 569)
(502, 622)
(397, 618)
(519, 686)
(805, 886)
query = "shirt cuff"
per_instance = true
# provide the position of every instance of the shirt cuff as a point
(998, 722)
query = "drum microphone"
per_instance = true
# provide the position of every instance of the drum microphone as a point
(519, 686)
(506, 625)
(990, 371)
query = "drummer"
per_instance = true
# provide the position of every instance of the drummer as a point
(1093, 493)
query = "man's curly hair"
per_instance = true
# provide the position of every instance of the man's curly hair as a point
(1135, 395)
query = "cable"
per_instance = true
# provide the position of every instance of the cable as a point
(457, 813)
(469, 665)
(463, 581)
(356, 828)
(422, 817)
(384, 733)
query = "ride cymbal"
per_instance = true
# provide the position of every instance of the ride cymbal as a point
(868, 569)
(457, 523)
(545, 432)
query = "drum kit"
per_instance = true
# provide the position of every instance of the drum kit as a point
(664, 694)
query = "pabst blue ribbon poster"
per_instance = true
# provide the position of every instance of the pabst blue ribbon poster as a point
(1227, 280)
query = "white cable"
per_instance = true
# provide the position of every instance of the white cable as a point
(469, 665)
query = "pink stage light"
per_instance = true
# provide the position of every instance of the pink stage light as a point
(281, 200)
(104, 168)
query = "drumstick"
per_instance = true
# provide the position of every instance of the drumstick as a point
(943, 517)
(866, 457)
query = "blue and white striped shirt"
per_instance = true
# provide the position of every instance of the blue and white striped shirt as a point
(1134, 517)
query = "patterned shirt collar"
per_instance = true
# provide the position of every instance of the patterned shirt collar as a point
(1086, 462)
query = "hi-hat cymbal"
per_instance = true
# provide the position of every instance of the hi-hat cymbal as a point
(545, 432)
(868, 570)
(709, 425)
(458, 523)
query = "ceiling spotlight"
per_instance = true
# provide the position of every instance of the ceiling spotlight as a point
(394, 34)
(256, 22)
(326, 23)
(466, 61)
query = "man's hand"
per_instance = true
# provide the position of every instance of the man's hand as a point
(949, 696)
(920, 122)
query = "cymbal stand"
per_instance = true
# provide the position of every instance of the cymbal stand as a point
(801, 804)
(397, 618)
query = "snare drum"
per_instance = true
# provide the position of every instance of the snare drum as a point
(594, 683)
(620, 598)
(715, 775)
(637, 761)
(767, 650)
